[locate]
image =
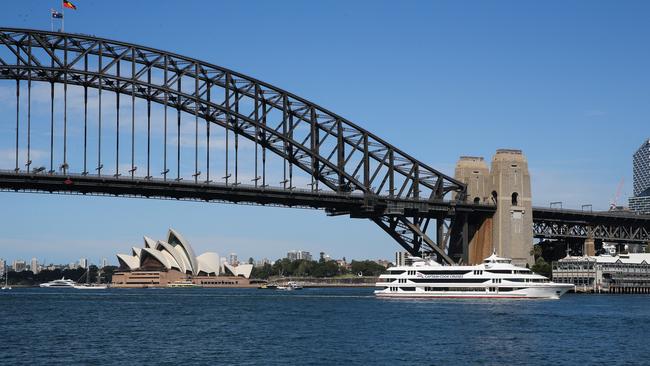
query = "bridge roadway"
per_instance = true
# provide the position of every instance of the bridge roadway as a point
(613, 226)
(548, 223)
(357, 205)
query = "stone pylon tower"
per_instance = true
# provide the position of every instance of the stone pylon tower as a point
(473, 171)
(512, 232)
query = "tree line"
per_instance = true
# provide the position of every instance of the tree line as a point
(29, 278)
(320, 269)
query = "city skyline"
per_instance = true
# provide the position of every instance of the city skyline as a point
(553, 97)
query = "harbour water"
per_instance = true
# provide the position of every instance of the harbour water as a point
(316, 326)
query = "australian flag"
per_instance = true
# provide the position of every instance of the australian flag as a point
(56, 14)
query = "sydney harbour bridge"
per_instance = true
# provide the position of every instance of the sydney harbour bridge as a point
(101, 117)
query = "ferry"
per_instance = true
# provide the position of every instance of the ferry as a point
(290, 286)
(91, 286)
(62, 283)
(496, 277)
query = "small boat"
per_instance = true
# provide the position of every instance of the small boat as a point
(6, 286)
(88, 285)
(268, 286)
(62, 283)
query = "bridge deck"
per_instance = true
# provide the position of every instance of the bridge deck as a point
(356, 204)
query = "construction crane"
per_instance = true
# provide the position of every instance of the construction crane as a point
(614, 204)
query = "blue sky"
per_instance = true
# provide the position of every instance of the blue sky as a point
(565, 81)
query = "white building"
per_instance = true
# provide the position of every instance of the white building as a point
(34, 266)
(176, 254)
(3, 266)
(19, 265)
(295, 255)
(262, 262)
(400, 258)
(622, 273)
(232, 259)
(83, 262)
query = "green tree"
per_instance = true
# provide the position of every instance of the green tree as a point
(537, 251)
(542, 267)
(367, 268)
(326, 269)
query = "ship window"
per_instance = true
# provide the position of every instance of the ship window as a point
(447, 280)
(446, 272)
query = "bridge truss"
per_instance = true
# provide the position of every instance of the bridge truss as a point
(131, 120)
(615, 227)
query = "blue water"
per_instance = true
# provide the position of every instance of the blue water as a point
(316, 327)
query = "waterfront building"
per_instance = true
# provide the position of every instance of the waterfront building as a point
(72, 265)
(34, 266)
(295, 255)
(160, 263)
(83, 263)
(3, 266)
(19, 265)
(622, 273)
(342, 263)
(640, 202)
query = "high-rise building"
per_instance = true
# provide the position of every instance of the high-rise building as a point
(400, 258)
(104, 263)
(262, 262)
(3, 267)
(19, 265)
(34, 265)
(295, 255)
(232, 259)
(83, 262)
(641, 179)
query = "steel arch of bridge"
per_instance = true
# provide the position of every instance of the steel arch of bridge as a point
(339, 156)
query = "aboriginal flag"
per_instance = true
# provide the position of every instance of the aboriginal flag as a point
(69, 5)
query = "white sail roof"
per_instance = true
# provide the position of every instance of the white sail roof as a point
(209, 263)
(129, 261)
(175, 239)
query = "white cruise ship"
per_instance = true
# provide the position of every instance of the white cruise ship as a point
(62, 283)
(496, 277)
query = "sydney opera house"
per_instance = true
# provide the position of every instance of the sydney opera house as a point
(166, 263)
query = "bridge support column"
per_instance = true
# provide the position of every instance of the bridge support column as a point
(589, 247)
(465, 235)
(480, 246)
